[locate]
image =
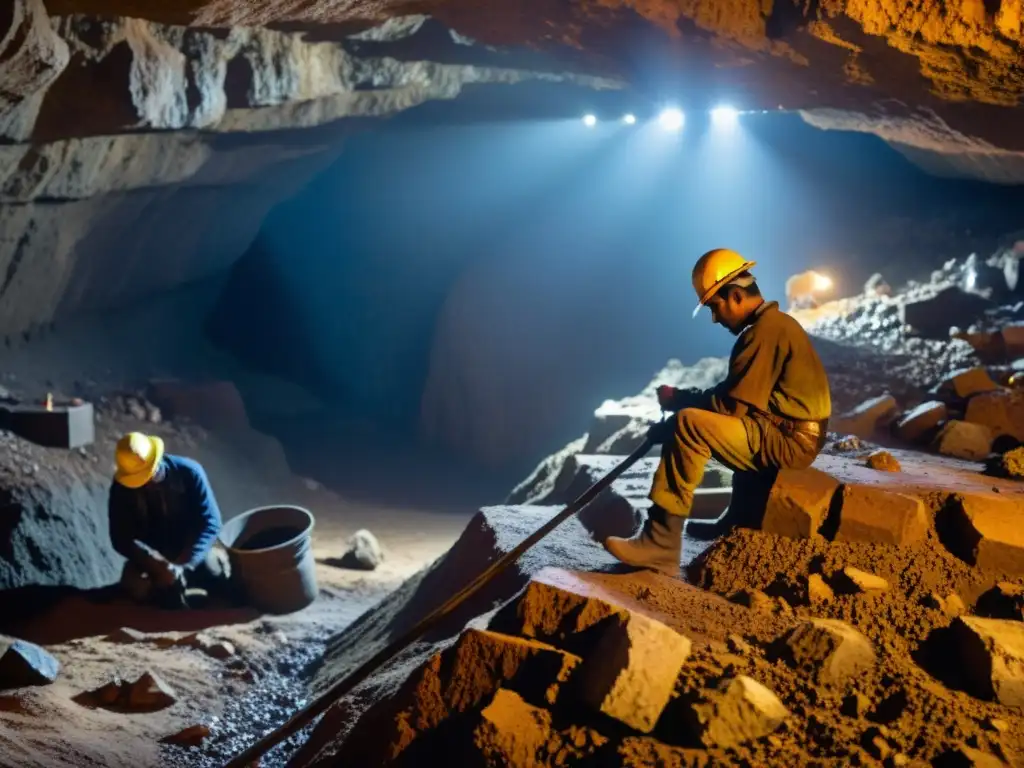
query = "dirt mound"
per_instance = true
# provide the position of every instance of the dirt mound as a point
(574, 669)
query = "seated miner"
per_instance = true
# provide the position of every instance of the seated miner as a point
(164, 520)
(771, 412)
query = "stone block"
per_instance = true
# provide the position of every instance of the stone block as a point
(1002, 411)
(830, 651)
(964, 440)
(991, 654)
(967, 383)
(865, 419)
(23, 663)
(739, 710)
(631, 673)
(798, 503)
(871, 514)
(818, 591)
(986, 532)
(919, 423)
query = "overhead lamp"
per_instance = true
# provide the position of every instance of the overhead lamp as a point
(589, 120)
(672, 119)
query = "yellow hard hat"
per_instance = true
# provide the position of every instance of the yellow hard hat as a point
(714, 270)
(138, 457)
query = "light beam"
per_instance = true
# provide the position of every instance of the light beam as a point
(672, 119)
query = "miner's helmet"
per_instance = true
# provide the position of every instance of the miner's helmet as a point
(715, 270)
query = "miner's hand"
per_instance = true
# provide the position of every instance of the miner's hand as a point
(661, 431)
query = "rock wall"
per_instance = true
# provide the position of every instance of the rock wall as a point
(958, 61)
(137, 156)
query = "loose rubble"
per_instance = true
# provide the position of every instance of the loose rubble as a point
(873, 614)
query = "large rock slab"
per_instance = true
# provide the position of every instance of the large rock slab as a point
(987, 532)
(991, 652)
(966, 383)
(799, 502)
(871, 514)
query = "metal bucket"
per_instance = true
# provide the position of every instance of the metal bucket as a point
(271, 552)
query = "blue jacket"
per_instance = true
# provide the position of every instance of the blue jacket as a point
(178, 517)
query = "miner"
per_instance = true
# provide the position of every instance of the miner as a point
(164, 520)
(771, 412)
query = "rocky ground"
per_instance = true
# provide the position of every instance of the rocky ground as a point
(873, 616)
(195, 686)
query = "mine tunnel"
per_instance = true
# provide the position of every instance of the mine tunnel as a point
(503, 384)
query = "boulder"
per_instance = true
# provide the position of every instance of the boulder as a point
(991, 656)
(149, 693)
(799, 502)
(830, 651)
(918, 424)
(23, 664)
(883, 461)
(364, 552)
(986, 532)
(966, 383)
(1002, 411)
(933, 316)
(855, 581)
(964, 440)
(870, 514)
(631, 673)
(865, 420)
(739, 710)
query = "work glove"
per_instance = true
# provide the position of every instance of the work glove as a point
(169, 575)
(660, 432)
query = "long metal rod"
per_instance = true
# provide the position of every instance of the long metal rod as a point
(320, 705)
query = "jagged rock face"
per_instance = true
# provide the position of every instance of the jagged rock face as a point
(949, 75)
(140, 156)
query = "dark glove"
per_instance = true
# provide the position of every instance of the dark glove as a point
(667, 396)
(661, 432)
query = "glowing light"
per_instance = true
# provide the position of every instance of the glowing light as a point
(589, 120)
(821, 282)
(629, 119)
(972, 280)
(672, 119)
(724, 116)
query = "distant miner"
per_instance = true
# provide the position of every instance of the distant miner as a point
(770, 413)
(164, 519)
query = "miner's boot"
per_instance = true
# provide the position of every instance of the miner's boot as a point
(657, 546)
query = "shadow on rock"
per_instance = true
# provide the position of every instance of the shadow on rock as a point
(50, 615)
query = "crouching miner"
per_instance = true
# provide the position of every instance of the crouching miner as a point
(164, 520)
(770, 413)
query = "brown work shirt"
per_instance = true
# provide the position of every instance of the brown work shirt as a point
(774, 368)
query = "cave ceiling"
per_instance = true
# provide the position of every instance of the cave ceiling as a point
(941, 81)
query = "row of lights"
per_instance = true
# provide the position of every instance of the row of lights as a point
(674, 119)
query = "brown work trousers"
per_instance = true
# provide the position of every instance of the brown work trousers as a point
(744, 444)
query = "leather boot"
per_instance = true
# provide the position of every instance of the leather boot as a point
(657, 546)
